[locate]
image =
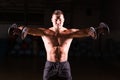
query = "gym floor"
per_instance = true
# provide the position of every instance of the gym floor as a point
(83, 68)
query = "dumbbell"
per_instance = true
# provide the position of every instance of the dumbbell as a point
(14, 31)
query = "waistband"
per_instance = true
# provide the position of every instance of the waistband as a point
(57, 62)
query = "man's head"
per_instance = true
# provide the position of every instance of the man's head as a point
(57, 18)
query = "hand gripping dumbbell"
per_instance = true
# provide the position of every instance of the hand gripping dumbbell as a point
(14, 31)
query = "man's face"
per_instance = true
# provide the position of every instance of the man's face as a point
(58, 20)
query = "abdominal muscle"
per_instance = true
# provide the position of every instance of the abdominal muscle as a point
(57, 54)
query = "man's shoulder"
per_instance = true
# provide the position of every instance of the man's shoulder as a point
(70, 28)
(50, 28)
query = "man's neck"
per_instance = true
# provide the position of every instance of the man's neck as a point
(56, 28)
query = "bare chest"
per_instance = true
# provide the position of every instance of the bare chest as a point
(56, 40)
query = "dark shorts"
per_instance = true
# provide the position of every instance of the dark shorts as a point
(57, 71)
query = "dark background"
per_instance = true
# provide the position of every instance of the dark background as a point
(89, 59)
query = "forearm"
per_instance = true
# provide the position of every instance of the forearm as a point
(35, 32)
(86, 32)
(83, 33)
(32, 31)
(89, 32)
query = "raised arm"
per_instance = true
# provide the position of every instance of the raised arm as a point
(102, 29)
(79, 33)
(22, 31)
(32, 31)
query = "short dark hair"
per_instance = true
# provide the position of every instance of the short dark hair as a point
(57, 13)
